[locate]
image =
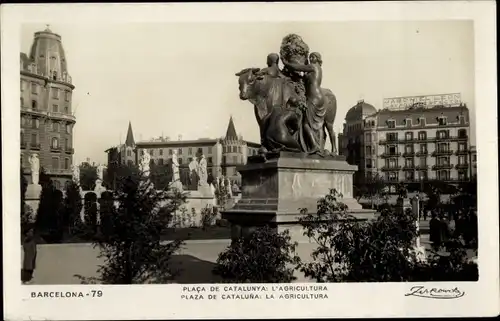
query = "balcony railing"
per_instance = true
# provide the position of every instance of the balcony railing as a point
(409, 167)
(462, 166)
(442, 166)
(61, 115)
(388, 155)
(389, 141)
(390, 168)
(422, 167)
(35, 146)
(422, 153)
(69, 150)
(408, 154)
(55, 149)
(442, 152)
(461, 152)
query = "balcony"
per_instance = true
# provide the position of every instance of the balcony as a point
(59, 115)
(462, 166)
(442, 166)
(388, 155)
(389, 141)
(409, 167)
(408, 154)
(390, 168)
(55, 149)
(35, 146)
(422, 153)
(422, 167)
(69, 150)
(442, 153)
(462, 152)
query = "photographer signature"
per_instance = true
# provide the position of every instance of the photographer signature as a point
(435, 293)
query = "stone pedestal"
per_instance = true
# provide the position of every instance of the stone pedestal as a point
(32, 196)
(275, 190)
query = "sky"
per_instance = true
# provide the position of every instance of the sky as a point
(176, 79)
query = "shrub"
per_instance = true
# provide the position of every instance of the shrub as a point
(72, 207)
(132, 249)
(381, 250)
(264, 256)
(208, 216)
(49, 223)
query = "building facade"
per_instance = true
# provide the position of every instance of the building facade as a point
(47, 117)
(222, 154)
(411, 144)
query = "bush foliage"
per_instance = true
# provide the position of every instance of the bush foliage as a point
(263, 256)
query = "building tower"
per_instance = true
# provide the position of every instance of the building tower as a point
(352, 139)
(234, 153)
(127, 150)
(47, 117)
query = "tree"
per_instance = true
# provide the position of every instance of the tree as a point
(72, 207)
(50, 211)
(88, 176)
(370, 187)
(131, 246)
(264, 256)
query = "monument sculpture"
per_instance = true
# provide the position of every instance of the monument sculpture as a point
(202, 171)
(193, 173)
(35, 168)
(176, 177)
(295, 114)
(145, 162)
(100, 172)
(292, 110)
(76, 174)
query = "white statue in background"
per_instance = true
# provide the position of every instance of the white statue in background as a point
(76, 174)
(176, 177)
(229, 189)
(100, 172)
(145, 161)
(35, 168)
(202, 171)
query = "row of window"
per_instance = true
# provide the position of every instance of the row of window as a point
(410, 149)
(161, 161)
(231, 149)
(56, 162)
(422, 175)
(391, 123)
(54, 90)
(422, 161)
(55, 126)
(190, 150)
(422, 135)
(54, 142)
(55, 107)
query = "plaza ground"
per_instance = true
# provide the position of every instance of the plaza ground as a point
(58, 263)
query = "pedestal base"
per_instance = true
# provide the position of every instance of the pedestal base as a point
(33, 192)
(274, 191)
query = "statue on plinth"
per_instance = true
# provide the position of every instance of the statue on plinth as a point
(292, 110)
(202, 171)
(193, 173)
(76, 174)
(35, 168)
(145, 163)
(99, 189)
(100, 172)
(176, 177)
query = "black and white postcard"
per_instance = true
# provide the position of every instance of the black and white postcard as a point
(264, 160)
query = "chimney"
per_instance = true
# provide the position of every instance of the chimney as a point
(179, 137)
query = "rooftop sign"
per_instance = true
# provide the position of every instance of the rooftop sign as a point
(448, 100)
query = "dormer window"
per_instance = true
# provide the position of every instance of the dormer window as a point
(461, 119)
(408, 122)
(442, 121)
(391, 124)
(421, 121)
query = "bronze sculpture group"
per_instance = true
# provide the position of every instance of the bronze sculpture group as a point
(292, 110)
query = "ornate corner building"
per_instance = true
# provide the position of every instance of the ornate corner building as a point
(422, 141)
(47, 118)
